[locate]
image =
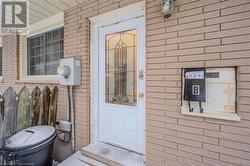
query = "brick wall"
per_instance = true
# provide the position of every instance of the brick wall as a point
(200, 33)
(11, 71)
(77, 44)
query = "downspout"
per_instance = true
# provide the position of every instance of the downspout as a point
(72, 119)
(71, 116)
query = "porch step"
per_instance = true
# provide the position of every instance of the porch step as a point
(77, 159)
(112, 155)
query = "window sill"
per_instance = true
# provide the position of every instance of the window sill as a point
(223, 116)
(51, 80)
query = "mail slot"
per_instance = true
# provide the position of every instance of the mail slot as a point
(195, 85)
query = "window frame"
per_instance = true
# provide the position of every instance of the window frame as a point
(44, 55)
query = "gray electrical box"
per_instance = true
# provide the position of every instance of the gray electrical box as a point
(70, 71)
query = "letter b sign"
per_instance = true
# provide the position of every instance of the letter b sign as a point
(195, 89)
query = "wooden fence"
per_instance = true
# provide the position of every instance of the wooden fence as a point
(24, 109)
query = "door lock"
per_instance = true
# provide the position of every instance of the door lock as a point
(141, 95)
(141, 74)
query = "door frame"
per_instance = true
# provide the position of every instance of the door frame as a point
(129, 12)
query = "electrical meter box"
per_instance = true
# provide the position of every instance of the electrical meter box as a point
(70, 71)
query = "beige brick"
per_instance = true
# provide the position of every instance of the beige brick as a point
(155, 54)
(187, 161)
(163, 60)
(199, 138)
(235, 145)
(183, 154)
(224, 4)
(155, 31)
(186, 64)
(154, 20)
(183, 2)
(214, 162)
(184, 129)
(224, 19)
(243, 92)
(198, 124)
(223, 63)
(227, 33)
(186, 13)
(235, 54)
(162, 83)
(243, 85)
(244, 69)
(227, 136)
(235, 130)
(205, 29)
(108, 8)
(235, 24)
(199, 151)
(168, 23)
(236, 39)
(235, 9)
(185, 26)
(196, 4)
(191, 51)
(228, 151)
(200, 17)
(235, 160)
(229, 47)
(244, 77)
(185, 39)
(203, 43)
(200, 57)
(161, 130)
(162, 36)
(162, 48)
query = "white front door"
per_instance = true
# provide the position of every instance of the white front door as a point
(121, 84)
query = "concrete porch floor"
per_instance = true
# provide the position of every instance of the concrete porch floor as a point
(77, 159)
(102, 154)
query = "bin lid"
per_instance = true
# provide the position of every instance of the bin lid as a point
(29, 137)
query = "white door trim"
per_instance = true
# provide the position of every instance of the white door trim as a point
(126, 13)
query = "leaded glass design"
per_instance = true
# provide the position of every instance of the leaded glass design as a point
(121, 68)
(44, 52)
(1, 61)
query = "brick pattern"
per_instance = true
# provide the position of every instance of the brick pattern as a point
(77, 44)
(11, 72)
(200, 33)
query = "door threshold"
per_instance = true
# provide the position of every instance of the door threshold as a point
(112, 155)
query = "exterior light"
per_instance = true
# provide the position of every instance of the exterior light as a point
(167, 7)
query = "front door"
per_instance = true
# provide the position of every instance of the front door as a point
(121, 84)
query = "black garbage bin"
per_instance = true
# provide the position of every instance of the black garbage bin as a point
(32, 147)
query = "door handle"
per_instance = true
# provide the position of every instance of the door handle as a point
(141, 95)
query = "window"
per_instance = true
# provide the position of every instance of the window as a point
(44, 52)
(1, 61)
(121, 71)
